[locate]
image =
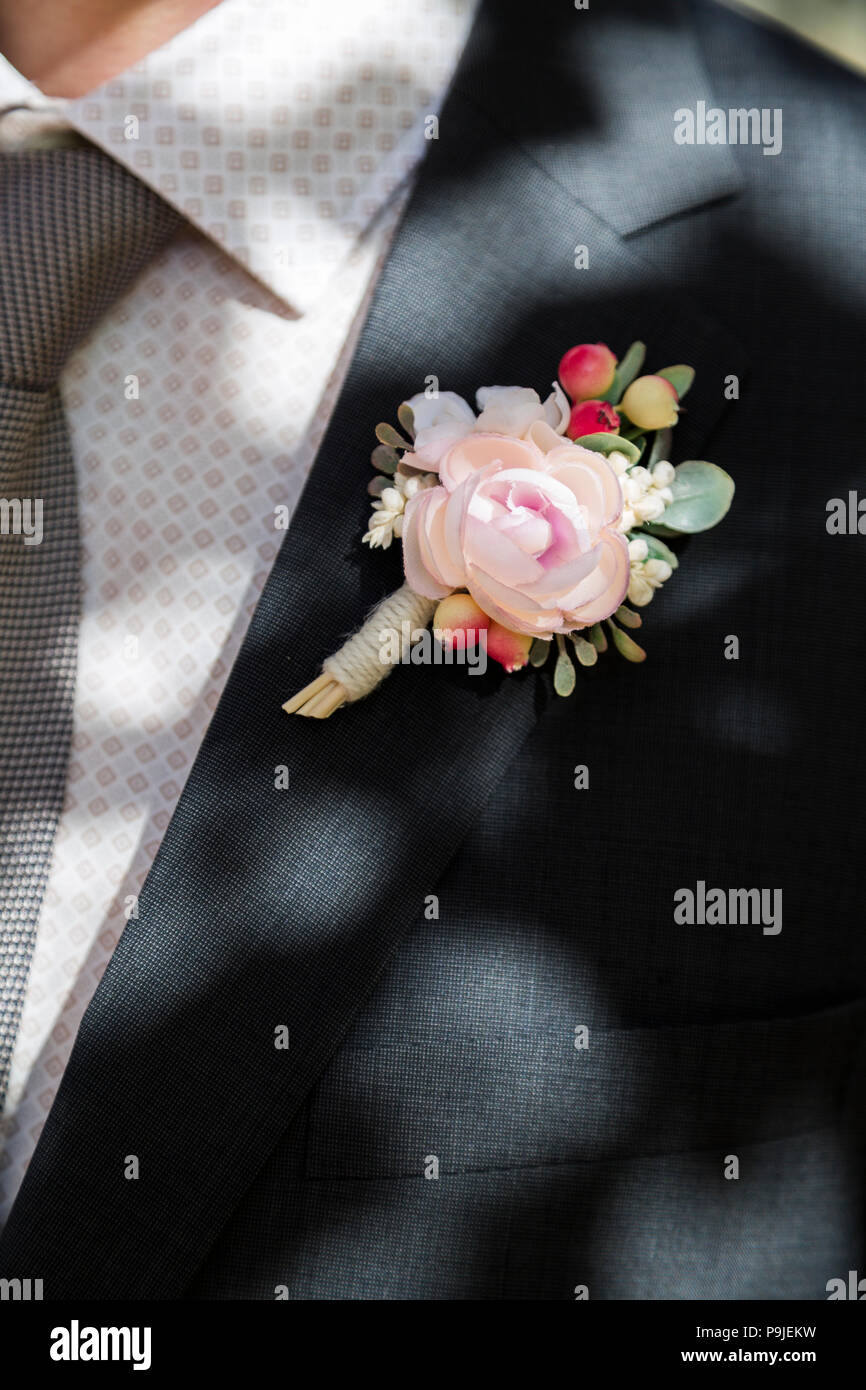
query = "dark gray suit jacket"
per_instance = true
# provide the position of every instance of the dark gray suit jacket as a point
(301, 1172)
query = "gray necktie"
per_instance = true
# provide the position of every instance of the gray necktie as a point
(75, 230)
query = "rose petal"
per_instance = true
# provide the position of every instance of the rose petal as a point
(418, 576)
(440, 563)
(591, 480)
(560, 580)
(543, 436)
(479, 451)
(496, 553)
(613, 569)
(509, 607)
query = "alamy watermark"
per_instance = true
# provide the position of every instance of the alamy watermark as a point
(439, 646)
(77, 1343)
(21, 516)
(846, 516)
(733, 907)
(21, 1290)
(738, 126)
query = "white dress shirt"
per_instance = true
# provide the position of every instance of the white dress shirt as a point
(284, 131)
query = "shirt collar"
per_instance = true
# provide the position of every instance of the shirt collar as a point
(278, 129)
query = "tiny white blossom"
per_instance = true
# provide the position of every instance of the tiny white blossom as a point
(663, 474)
(649, 507)
(618, 462)
(645, 576)
(386, 520)
(645, 493)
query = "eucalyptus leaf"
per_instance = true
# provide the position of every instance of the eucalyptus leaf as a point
(680, 378)
(539, 652)
(564, 675)
(639, 442)
(610, 444)
(625, 645)
(630, 364)
(626, 371)
(627, 617)
(661, 448)
(406, 416)
(384, 458)
(656, 528)
(657, 548)
(702, 495)
(377, 485)
(587, 654)
(597, 637)
(386, 434)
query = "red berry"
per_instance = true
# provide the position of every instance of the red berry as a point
(509, 648)
(458, 620)
(592, 417)
(586, 371)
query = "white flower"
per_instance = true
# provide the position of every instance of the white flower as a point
(557, 409)
(513, 410)
(645, 575)
(618, 462)
(442, 420)
(649, 507)
(663, 474)
(386, 520)
(439, 422)
(645, 494)
(508, 410)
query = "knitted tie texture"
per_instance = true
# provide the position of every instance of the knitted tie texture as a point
(75, 231)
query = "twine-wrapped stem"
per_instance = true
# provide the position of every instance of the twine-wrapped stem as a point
(359, 666)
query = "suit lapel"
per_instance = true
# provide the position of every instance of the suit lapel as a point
(273, 908)
(591, 95)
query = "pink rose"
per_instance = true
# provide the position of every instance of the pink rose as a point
(530, 534)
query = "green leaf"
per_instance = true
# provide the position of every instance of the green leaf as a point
(384, 458)
(564, 675)
(627, 617)
(626, 371)
(630, 364)
(657, 548)
(539, 652)
(661, 448)
(406, 416)
(680, 378)
(386, 434)
(610, 444)
(587, 654)
(625, 644)
(702, 495)
(597, 637)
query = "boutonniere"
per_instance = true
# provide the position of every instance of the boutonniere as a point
(526, 525)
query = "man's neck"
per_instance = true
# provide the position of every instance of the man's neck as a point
(68, 47)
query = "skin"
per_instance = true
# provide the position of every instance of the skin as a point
(68, 47)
